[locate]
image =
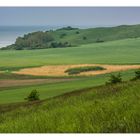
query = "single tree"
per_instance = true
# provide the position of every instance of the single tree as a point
(115, 79)
(33, 96)
(137, 75)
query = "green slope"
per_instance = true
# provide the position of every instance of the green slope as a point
(113, 52)
(103, 109)
(17, 94)
(74, 37)
(103, 33)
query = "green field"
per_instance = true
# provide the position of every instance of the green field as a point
(115, 52)
(84, 103)
(17, 94)
(112, 108)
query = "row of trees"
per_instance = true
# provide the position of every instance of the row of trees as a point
(37, 40)
(33, 40)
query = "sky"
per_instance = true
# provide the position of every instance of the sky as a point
(81, 16)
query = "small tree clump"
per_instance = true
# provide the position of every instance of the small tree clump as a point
(114, 79)
(77, 32)
(137, 75)
(84, 38)
(33, 96)
(99, 40)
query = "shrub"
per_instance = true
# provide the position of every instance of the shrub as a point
(59, 45)
(63, 35)
(83, 69)
(114, 79)
(33, 96)
(77, 32)
(137, 75)
(99, 41)
(84, 38)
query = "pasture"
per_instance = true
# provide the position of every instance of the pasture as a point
(83, 102)
(118, 52)
(114, 52)
(14, 94)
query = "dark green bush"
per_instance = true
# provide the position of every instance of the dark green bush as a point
(114, 79)
(83, 69)
(84, 38)
(137, 75)
(99, 40)
(68, 28)
(33, 96)
(59, 45)
(63, 35)
(77, 32)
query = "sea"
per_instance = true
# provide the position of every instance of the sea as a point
(8, 34)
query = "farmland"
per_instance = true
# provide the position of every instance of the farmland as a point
(82, 99)
(18, 93)
(115, 52)
(118, 52)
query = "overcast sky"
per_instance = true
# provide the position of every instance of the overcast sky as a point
(82, 16)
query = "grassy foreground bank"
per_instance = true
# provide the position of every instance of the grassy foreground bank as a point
(111, 108)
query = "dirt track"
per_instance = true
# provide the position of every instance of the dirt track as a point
(59, 70)
(9, 83)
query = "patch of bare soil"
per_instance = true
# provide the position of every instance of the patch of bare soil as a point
(59, 70)
(10, 83)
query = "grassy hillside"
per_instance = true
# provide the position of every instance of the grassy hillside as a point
(114, 52)
(80, 103)
(46, 91)
(68, 37)
(112, 108)
(94, 35)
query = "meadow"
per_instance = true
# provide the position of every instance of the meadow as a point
(47, 90)
(114, 52)
(104, 109)
(73, 103)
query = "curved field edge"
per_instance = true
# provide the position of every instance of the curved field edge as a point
(63, 70)
(111, 108)
(17, 94)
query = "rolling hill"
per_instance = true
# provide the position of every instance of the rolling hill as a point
(71, 103)
(124, 51)
(69, 37)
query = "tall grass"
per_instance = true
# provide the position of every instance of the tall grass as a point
(111, 108)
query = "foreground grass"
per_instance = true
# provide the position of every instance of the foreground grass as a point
(17, 94)
(112, 108)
